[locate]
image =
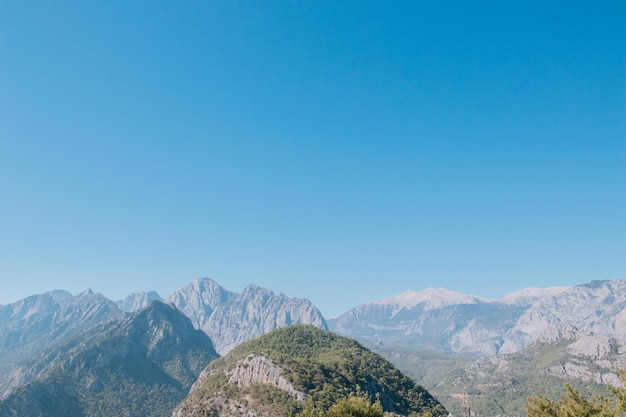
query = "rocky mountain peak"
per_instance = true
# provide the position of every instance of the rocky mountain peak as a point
(430, 298)
(254, 290)
(31, 325)
(528, 296)
(230, 318)
(451, 322)
(163, 330)
(59, 295)
(199, 298)
(137, 301)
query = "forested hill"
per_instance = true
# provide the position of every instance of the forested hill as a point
(281, 372)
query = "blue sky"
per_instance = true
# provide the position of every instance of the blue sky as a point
(337, 151)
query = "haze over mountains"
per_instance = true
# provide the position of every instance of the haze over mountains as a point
(434, 318)
(57, 344)
(451, 322)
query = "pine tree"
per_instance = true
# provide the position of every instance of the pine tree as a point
(575, 404)
(356, 406)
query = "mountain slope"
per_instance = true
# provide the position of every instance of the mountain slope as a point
(141, 364)
(276, 374)
(31, 325)
(230, 318)
(500, 385)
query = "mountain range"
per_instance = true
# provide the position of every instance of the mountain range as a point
(451, 322)
(230, 318)
(31, 325)
(41, 334)
(443, 339)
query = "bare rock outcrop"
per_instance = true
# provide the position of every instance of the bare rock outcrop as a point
(259, 369)
(230, 318)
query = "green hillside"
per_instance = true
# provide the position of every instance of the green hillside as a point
(320, 365)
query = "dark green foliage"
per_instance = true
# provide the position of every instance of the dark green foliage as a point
(47, 399)
(575, 404)
(281, 402)
(328, 368)
(355, 405)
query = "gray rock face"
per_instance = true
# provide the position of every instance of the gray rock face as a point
(251, 370)
(230, 318)
(199, 299)
(137, 301)
(589, 357)
(455, 323)
(259, 369)
(31, 325)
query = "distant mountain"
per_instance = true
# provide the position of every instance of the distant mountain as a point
(230, 318)
(31, 325)
(451, 322)
(279, 373)
(140, 364)
(199, 299)
(137, 301)
(451, 330)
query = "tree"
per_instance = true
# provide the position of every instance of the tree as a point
(355, 405)
(575, 404)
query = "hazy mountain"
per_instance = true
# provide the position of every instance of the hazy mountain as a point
(460, 327)
(276, 374)
(450, 322)
(199, 299)
(230, 318)
(137, 301)
(140, 364)
(29, 326)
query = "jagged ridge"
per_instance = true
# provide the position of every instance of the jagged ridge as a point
(230, 318)
(450, 322)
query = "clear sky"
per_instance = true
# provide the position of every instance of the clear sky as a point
(338, 151)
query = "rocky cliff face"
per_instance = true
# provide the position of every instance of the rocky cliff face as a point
(230, 318)
(137, 301)
(259, 369)
(254, 369)
(455, 323)
(199, 299)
